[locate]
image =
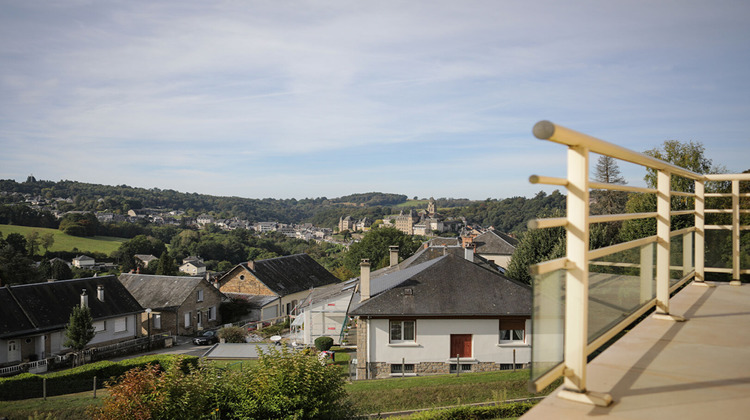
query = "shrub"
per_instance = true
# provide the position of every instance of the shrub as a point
(323, 343)
(288, 384)
(233, 334)
(476, 413)
(148, 392)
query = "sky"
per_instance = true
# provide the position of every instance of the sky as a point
(298, 99)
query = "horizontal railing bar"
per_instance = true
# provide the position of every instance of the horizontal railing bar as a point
(618, 217)
(547, 223)
(546, 130)
(545, 380)
(725, 211)
(618, 187)
(682, 194)
(549, 266)
(614, 264)
(718, 227)
(612, 332)
(718, 270)
(682, 281)
(624, 246)
(713, 195)
(548, 180)
(727, 177)
(683, 231)
(681, 212)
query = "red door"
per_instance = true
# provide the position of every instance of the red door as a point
(460, 345)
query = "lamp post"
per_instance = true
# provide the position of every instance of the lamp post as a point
(148, 323)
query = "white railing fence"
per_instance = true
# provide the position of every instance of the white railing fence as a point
(583, 300)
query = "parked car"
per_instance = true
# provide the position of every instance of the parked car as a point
(208, 337)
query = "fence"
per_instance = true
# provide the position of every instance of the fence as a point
(91, 355)
(586, 298)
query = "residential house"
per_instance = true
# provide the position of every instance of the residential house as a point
(277, 283)
(495, 246)
(405, 222)
(264, 227)
(193, 266)
(84, 261)
(179, 305)
(444, 315)
(33, 316)
(144, 260)
(204, 219)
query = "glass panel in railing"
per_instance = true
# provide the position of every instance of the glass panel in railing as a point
(681, 256)
(718, 249)
(745, 254)
(548, 322)
(619, 284)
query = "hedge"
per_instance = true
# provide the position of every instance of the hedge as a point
(81, 378)
(476, 413)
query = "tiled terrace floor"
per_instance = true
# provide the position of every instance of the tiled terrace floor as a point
(698, 369)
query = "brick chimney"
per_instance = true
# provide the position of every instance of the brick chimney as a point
(364, 280)
(393, 251)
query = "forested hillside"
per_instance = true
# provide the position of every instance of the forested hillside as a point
(508, 215)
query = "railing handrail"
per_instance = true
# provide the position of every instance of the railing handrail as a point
(546, 130)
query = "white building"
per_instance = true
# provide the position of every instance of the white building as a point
(438, 316)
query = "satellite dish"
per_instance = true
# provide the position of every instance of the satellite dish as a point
(276, 338)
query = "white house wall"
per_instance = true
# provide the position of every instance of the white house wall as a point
(433, 342)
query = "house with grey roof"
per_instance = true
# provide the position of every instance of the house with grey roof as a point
(33, 316)
(495, 246)
(281, 282)
(439, 316)
(179, 305)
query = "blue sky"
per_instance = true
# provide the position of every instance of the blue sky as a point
(309, 99)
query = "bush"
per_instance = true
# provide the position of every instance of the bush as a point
(323, 343)
(283, 384)
(476, 413)
(233, 334)
(287, 384)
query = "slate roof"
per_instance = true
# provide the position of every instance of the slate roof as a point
(160, 292)
(41, 307)
(290, 274)
(430, 253)
(448, 286)
(492, 242)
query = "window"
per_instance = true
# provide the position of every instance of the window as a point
(100, 326)
(157, 321)
(187, 320)
(512, 330)
(464, 367)
(403, 331)
(200, 295)
(407, 368)
(212, 313)
(121, 324)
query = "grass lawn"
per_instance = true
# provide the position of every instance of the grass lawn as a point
(63, 407)
(413, 203)
(394, 394)
(63, 242)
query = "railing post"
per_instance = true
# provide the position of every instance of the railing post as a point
(700, 233)
(647, 273)
(663, 228)
(735, 233)
(577, 281)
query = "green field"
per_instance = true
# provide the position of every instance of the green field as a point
(63, 242)
(414, 203)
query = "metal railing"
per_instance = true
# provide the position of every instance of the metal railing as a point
(583, 300)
